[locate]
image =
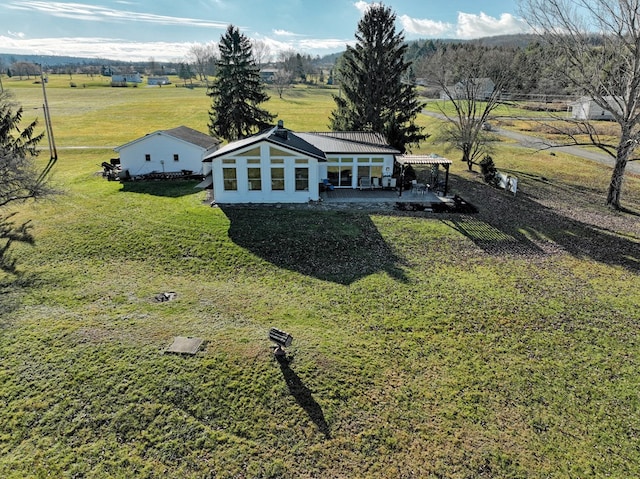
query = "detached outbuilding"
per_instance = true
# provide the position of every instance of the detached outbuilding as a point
(585, 108)
(180, 149)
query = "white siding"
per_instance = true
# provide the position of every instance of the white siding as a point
(161, 150)
(240, 162)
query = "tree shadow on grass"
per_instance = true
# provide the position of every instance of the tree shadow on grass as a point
(524, 225)
(166, 188)
(12, 285)
(335, 246)
(304, 398)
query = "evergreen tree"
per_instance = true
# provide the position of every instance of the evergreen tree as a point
(237, 90)
(374, 97)
(20, 179)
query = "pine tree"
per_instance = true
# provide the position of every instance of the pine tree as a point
(20, 180)
(374, 96)
(237, 90)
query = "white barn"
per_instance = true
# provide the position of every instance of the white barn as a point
(281, 166)
(585, 108)
(165, 151)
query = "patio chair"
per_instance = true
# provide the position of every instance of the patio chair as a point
(365, 182)
(327, 184)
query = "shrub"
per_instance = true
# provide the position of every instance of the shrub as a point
(489, 171)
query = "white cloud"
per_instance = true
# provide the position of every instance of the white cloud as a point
(81, 11)
(284, 33)
(15, 34)
(425, 27)
(108, 48)
(126, 50)
(477, 26)
(362, 6)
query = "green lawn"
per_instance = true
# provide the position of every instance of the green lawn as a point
(502, 344)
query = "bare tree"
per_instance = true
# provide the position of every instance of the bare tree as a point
(261, 52)
(599, 41)
(469, 80)
(203, 58)
(282, 80)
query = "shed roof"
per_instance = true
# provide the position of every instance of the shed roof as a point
(193, 136)
(182, 133)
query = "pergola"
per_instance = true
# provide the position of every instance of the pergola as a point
(421, 160)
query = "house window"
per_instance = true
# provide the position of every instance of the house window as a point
(176, 157)
(255, 180)
(277, 179)
(340, 175)
(147, 157)
(230, 181)
(302, 179)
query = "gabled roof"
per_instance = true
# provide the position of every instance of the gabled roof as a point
(279, 136)
(316, 144)
(182, 133)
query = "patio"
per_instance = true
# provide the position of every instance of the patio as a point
(349, 195)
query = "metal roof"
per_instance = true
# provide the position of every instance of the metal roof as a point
(193, 136)
(349, 142)
(182, 133)
(422, 160)
(316, 144)
(278, 136)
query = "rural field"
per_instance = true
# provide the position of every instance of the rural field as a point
(502, 344)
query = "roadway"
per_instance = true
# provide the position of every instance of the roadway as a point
(535, 143)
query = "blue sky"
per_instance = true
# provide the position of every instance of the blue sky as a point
(166, 29)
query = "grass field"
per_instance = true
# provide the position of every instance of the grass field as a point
(497, 345)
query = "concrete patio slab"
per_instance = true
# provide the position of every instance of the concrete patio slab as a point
(184, 345)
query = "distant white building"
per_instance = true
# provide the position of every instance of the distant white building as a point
(126, 78)
(163, 80)
(167, 151)
(585, 108)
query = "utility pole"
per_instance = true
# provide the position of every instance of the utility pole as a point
(47, 121)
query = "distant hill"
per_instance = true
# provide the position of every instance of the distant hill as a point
(51, 60)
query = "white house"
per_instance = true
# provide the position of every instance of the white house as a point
(164, 151)
(281, 166)
(126, 78)
(585, 108)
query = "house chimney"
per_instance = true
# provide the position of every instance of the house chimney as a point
(281, 131)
